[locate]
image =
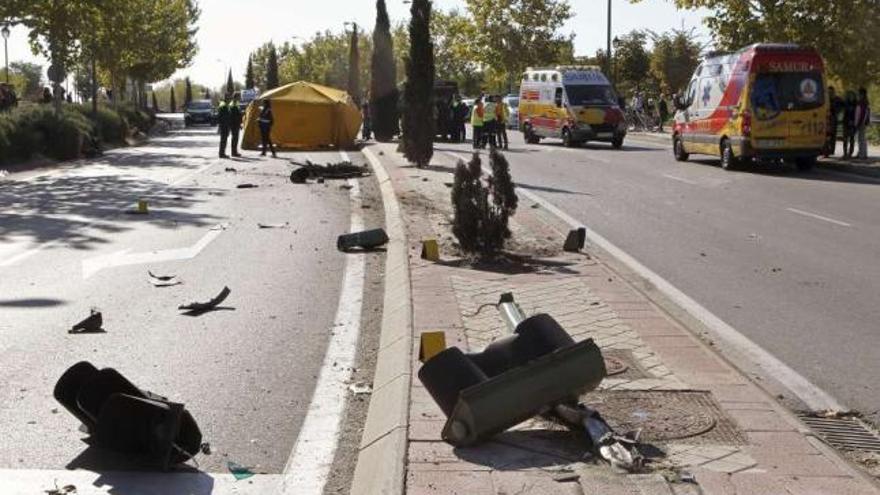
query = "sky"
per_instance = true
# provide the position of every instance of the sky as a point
(230, 29)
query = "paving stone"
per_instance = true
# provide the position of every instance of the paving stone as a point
(751, 420)
(449, 483)
(532, 483)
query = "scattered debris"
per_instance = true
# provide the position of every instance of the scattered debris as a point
(368, 239)
(346, 187)
(567, 478)
(575, 241)
(120, 416)
(448, 184)
(360, 388)
(341, 170)
(61, 491)
(163, 280)
(220, 226)
(205, 448)
(247, 186)
(200, 307)
(273, 225)
(231, 169)
(703, 255)
(381, 153)
(92, 324)
(776, 270)
(536, 206)
(238, 471)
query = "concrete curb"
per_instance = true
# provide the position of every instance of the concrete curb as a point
(381, 464)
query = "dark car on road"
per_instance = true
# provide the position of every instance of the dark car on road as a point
(200, 112)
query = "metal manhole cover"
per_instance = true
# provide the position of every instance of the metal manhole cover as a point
(667, 415)
(614, 366)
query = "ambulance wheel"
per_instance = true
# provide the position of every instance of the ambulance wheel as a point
(567, 141)
(805, 164)
(728, 159)
(617, 143)
(678, 149)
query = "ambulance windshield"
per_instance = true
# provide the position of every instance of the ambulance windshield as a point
(776, 92)
(585, 95)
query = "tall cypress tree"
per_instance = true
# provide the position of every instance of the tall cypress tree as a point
(418, 95)
(188, 92)
(383, 78)
(230, 84)
(249, 75)
(272, 69)
(354, 68)
(173, 101)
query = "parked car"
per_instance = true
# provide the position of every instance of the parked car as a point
(247, 96)
(512, 102)
(200, 112)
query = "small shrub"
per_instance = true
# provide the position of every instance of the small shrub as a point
(481, 213)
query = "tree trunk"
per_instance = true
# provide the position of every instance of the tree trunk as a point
(94, 88)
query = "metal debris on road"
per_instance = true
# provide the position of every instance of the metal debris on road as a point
(247, 186)
(220, 226)
(341, 170)
(366, 240)
(163, 280)
(238, 471)
(92, 324)
(231, 169)
(360, 388)
(61, 491)
(273, 225)
(200, 307)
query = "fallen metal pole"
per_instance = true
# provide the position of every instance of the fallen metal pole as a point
(618, 450)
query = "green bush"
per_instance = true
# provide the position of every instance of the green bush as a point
(110, 127)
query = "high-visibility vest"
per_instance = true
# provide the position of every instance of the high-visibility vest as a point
(502, 113)
(477, 116)
(490, 112)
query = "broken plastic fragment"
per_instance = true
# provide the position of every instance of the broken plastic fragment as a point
(92, 324)
(206, 306)
(247, 186)
(238, 471)
(360, 388)
(163, 280)
(272, 225)
(61, 491)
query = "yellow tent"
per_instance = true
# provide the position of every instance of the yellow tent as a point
(307, 116)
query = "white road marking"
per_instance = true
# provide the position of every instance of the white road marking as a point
(818, 217)
(30, 252)
(680, 179)
(310, 462)
(814, 397)
(92, 266)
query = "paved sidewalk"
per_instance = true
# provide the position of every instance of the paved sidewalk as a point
(708, 420)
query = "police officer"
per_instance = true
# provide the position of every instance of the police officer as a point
(489, 122)
(224, 118)
(477, 115)
(235, 118)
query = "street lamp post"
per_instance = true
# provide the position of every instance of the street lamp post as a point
(5, 32)
(608, 42)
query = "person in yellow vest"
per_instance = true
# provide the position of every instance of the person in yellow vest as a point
(489, 122)
(477, 115)
(502, 115)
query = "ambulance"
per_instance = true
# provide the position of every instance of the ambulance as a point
(766, 102)
(573, 103)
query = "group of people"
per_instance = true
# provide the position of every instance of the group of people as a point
(854, 112)
(650, 114)
(489, 121)
(229, 118)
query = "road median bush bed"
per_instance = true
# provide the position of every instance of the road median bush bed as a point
(32, 130)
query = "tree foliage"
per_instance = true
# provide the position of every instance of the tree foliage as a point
(455, 56)
(675, 56)
(187, 92)
(481, 213)
(383, 78)
(272, 68)
(843, 31)
(249, 82)
(26, 77)
(354, 66)
(632, 62)
(418, 101)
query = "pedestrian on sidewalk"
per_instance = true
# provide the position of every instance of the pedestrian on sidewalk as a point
(849, 124)
(477, 115)
(224, 120)
(459, 117)
(266, 121)
(502, 115)
(489, 122)
(664, 111)
(835, 109)
(863, 120)
(368, 122)
(235, 118)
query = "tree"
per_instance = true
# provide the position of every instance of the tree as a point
(418, 94)
(230, 84)
(188, 93)
(632, 63)
(454, 55)
(155, 103)
(510, 35)
(249, 75)
(383, 78)
(173, 103)
(354, 67)
(843, 31)
(675, 56)
(272, 69)
(27, 78)
(481, 213)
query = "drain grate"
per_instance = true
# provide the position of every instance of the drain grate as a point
(844, 433)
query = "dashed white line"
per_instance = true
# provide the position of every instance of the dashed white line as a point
(818, 217)
(310, 461)
(680, 179)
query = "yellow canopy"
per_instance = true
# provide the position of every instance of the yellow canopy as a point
(307, 116)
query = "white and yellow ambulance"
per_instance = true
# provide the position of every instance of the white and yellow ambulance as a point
(573, 103)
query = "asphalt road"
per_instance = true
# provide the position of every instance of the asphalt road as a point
(789, 259)
(246, 371)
